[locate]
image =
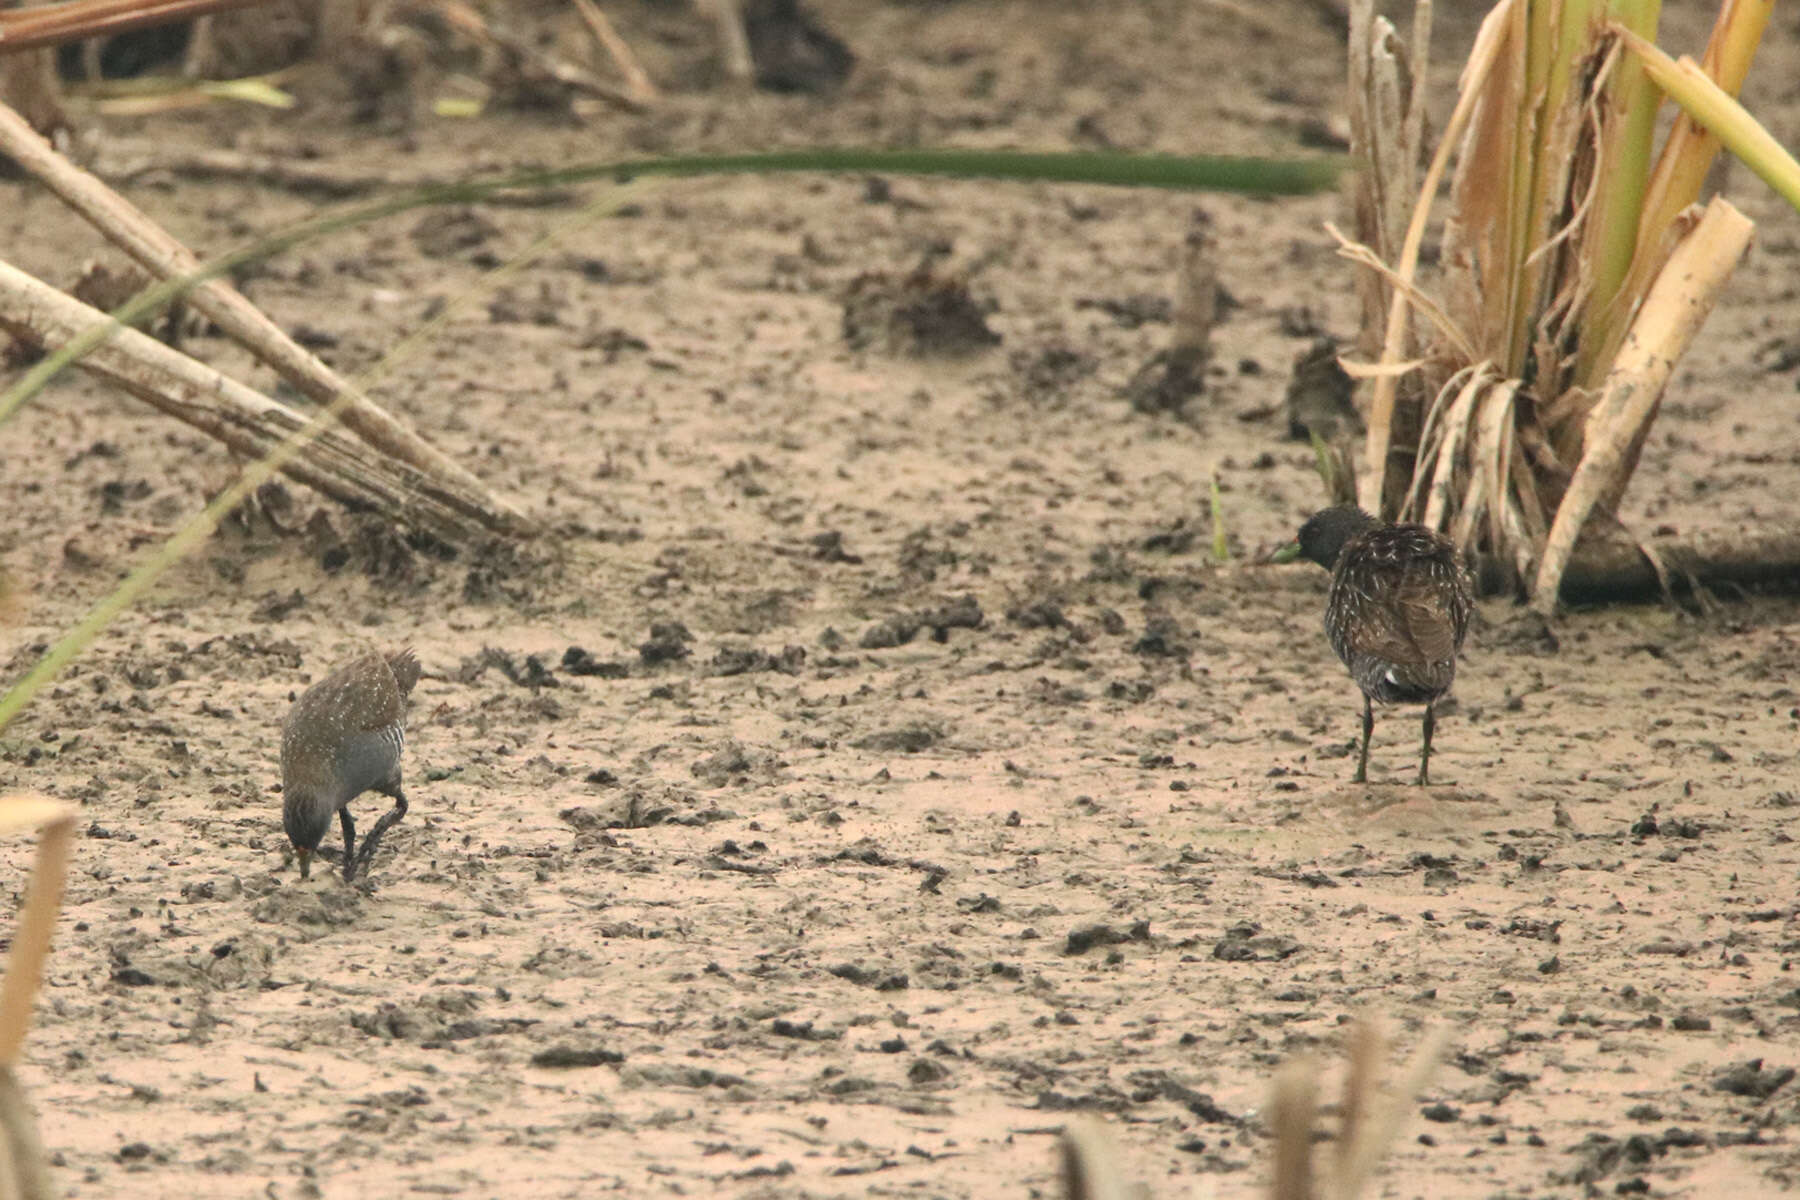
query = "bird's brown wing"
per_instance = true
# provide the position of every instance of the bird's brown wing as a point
(1412, 615)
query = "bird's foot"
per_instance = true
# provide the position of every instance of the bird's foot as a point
(366, 855)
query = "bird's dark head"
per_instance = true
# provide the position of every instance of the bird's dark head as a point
(305, 822)
(1325, 534)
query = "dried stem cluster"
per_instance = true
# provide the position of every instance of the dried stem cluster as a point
(1511, 403)
(397, 473)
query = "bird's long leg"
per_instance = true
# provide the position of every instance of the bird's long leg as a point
(349, 828)
(1362, 763)
(387, 820)
(1425, 750)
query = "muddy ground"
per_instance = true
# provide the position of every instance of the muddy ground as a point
(874, 768)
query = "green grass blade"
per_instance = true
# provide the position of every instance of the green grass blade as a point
(1719, 112)
(1221, 548)
(1627, 144)
(1326, 464)
(1259, 176)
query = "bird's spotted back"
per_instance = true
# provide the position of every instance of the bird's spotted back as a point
(1398, 612)
(334, 717)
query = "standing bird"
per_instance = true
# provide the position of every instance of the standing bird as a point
(1396, 613)
(343, 738)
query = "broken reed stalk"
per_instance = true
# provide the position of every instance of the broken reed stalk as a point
(1387, 117)
(637, 80)
(158, 252)
(1719, 112)
(1628, 570)
(1371, 1121)
(470, 23)
(23, 1170)
(1365, 1050)
(202, 524)
(1374, 487)
(1685, 291)
(242, 418)
(75, 20)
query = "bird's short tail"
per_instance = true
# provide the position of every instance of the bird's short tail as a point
(405, 666)
(1413, 683)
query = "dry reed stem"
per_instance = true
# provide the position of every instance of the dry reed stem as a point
(242, 418)
(1293, 1111)
(1386, 127)
(467, 21)
(1376, 1133)
(637, 80)
(1495, 424)
(1621, 570)
(1442, 477)
(24, 1171)
(1488, 43)
(1671, 314)
(1089, 1161)
(1366, 1051)
(1391, 366)
(37, 919)
(734, 42)
(129, 228)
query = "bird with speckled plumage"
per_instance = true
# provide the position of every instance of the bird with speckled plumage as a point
(342, 738)
(1396, 613)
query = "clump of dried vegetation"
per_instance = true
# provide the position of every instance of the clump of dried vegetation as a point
(1513, 394)
(1369, 1119)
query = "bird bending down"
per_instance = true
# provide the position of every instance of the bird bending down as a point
(1396, 613)
(342, 738)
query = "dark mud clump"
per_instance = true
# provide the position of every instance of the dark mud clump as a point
(919, 315)
(792, 51)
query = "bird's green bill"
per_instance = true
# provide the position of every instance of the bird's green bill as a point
(1287, 554)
